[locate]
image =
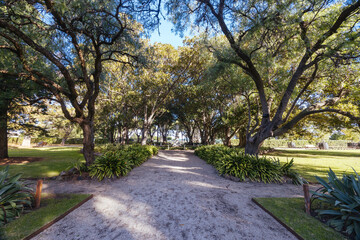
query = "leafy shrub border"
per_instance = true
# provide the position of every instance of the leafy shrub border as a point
(233, 162)
(120, 160)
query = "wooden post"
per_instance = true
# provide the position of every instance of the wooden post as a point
(38, 193)
(307, 198)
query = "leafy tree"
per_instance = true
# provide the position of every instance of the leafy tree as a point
(16, 92)
(63, 45)
(283, 47)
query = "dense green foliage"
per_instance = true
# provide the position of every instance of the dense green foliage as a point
(342, 201)
(291, 212)
(233, 162)
(120, 160)
(14, 196)
(52, 206)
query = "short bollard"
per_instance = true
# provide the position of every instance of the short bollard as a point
(38, 193)
(307, 198)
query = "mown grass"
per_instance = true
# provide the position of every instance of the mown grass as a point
(311, 163)
(56, 159)
(291, 212)
(52, 206)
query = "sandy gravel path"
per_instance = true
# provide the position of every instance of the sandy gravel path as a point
(174, 195)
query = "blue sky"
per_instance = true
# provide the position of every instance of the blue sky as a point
(166, 35)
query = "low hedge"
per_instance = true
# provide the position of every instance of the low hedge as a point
(234, 162)
(273, 143)
(120, 161)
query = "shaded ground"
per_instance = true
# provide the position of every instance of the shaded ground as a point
(174, 195)
(19, 160)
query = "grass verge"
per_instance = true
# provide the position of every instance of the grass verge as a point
(57, 159)
(311, 163)
(291, 212)
(52, 206)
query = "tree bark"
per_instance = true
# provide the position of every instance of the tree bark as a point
(242, 139)
(227, 137)
(67, 134)
(88, 141)
(144, 135)
(3, 132)
(253, 147)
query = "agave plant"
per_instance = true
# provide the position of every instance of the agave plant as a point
(342, 196)
(14, 196)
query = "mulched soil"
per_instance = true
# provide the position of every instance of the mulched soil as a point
(19, 160)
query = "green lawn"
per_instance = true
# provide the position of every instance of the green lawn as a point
(50, 209)
(291, 212)
(57, 159)
(317, 162)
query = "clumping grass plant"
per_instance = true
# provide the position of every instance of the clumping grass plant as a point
(120, 160)
(234, 162)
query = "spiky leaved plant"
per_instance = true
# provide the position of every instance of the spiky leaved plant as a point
(14, 196)
(342, 198)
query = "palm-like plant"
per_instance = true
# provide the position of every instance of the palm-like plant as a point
(14, 196)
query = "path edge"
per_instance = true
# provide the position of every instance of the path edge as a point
(277, 219)
(49, 224)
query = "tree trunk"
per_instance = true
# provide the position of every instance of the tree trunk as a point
(88, 141)
(126, 135)
(111, 136)
(252, 148)
(138, 137)
(3, 133)
(227, 137)
(227, 141)
(67, 134)
(144, 135)
(191, 137)
(242, 139)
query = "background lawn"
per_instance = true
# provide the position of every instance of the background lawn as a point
(317, 162)
(291, 212)
(57, 159)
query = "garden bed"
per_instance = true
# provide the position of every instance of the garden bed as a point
(290, 213)
(53, 208)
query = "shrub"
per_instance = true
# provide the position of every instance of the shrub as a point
(14, 196)
(342, 201)
(213, 153)
(120, 161)
(109, 165)
(234, 162)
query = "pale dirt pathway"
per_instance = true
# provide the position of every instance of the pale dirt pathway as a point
(174, 195)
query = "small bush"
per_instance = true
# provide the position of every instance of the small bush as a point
(120, 161)
(14, 196)
(234, 162)
(109, 165)
(341, 197)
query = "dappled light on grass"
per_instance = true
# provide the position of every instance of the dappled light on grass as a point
(55, 160)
